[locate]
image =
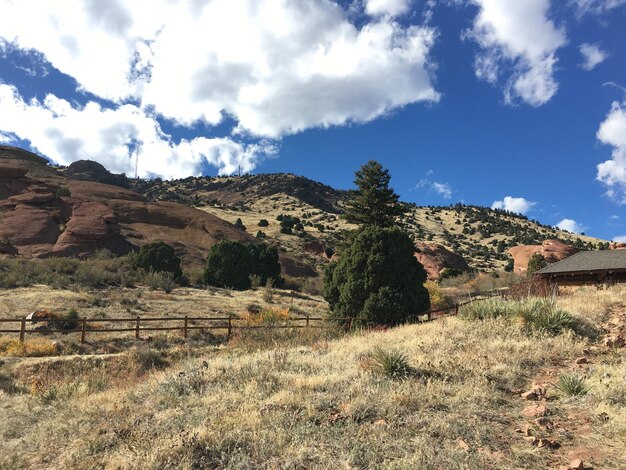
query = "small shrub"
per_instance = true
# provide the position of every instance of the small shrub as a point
(160, 280)
(67, 322)
(239, 224)
(36, 347)
(263, 223)
(390, 363)
(437, 298)
(268, 293)
(147, 358)
(571, 385)
(63, 191)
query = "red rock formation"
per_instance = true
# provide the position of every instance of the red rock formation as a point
(551, 250)
(35, 222)
(436, 258)
(617, 246)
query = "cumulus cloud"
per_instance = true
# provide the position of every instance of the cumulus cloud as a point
(571, 226)
(620, 239)
(443, 189)
(387, 7)
(592, 56)
(66, 133)
(519, 205)
(517, 39)
(612, 173)
(276, 67)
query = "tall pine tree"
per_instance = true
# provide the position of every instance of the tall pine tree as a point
(373, 203)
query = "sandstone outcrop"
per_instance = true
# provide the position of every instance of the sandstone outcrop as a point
(436, 258)
(38, 220)
(551, 250)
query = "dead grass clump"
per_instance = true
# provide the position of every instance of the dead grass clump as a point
(147, 358)
(389, 363)
(37, 347)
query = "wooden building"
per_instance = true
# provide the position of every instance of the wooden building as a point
(587, 267)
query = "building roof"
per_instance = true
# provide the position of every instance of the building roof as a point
(586, 261)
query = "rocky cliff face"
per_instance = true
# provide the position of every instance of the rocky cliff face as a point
(551, 250)
(436, 258)
(45, 214)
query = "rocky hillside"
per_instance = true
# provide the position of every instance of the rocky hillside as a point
(480, 235)
(51, 211)
(44, 213)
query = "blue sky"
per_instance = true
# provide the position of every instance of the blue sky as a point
(519, 105)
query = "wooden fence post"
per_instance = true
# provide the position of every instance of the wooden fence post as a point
(83, 332)
(137, 327)
(350, 324)
(185, 328)
(307, 321)
(22, 330)
(230, 326)
(456, 309)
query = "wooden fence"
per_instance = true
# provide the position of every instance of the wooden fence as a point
(139, 325)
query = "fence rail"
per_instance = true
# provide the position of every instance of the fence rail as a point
(229, 323)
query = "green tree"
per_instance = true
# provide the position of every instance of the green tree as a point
(265, 263)
(239, 224)
(229, 265)
(535, 263)
(373, 202)
(157, 257)
(377, 279)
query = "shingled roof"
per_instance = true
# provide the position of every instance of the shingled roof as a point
(589, 261)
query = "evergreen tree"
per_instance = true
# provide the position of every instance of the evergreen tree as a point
(535, 263)
(157, 257)
(377, 279)
(373, 202)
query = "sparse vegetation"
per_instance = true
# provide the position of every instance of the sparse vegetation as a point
(571, 385)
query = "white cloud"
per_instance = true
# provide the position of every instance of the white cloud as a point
(571, 226)
(620, 239)
(276, 66)
(592, 56)
(597, 6)
(518, 35)
(387, 7)
(614, 217)
(66, 134)
(518, 205)
(443, 189)
(612, 173)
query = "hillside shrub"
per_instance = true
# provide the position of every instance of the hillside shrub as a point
(239, 224)
(390, 363)
(571, 385)
(263, 223)
(535, 263)
(540, 315)
(231, 264)
(377, 280)
(157, 257)
(68, 322)
(159, 280)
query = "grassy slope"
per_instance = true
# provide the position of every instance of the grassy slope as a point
(314, 406)
(227, 204)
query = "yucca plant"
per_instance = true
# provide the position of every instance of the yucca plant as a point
(572, 385)
(390, 363)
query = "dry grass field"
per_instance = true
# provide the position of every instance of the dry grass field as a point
(441, 395)
(116, 303)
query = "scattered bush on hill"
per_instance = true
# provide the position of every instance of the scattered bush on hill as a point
(263, 223)
(157, 257)
(230, 264)
(239, 224)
